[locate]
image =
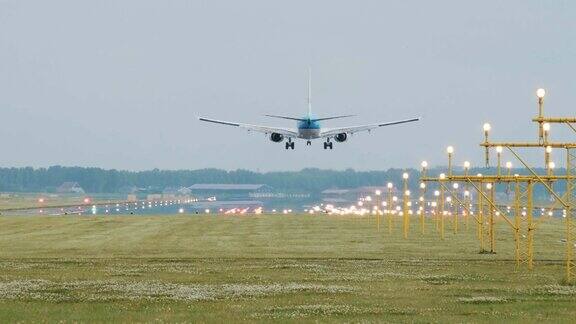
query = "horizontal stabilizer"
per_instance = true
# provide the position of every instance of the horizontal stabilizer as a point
(284, 117)
(333, 117)
(311, 119)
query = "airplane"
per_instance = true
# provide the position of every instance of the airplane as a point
(308, 127)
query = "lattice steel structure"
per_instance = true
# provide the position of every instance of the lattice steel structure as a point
(523, 223)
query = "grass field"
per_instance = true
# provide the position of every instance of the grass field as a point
(270, 268)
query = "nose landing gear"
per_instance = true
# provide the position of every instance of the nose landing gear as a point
(308, 143)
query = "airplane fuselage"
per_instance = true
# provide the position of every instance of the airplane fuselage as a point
(308, 128)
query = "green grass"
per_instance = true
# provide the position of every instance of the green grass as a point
(270, 268)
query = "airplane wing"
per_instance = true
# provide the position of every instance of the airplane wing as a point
(257, 128)
(329, 132)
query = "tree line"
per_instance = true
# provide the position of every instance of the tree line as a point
(97, 180)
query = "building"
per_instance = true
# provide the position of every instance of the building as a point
(70, 188)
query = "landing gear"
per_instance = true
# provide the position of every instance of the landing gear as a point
(289, 144)
(327, 145)
(308, 143)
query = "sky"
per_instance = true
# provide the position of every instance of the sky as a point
(120, 84)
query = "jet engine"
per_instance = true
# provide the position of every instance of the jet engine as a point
(342, 137)
(275, 137)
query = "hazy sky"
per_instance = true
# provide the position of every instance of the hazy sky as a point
(119, 84)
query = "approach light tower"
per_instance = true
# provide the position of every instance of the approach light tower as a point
(523, 224)
(405, 213)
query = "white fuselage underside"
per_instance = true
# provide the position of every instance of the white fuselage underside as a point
(309, 133)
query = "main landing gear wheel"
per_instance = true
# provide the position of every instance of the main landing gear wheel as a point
(327, 145)
(289, 145)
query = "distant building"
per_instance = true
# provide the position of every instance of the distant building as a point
(70, 187)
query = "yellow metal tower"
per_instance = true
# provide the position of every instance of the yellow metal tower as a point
(488, 211)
